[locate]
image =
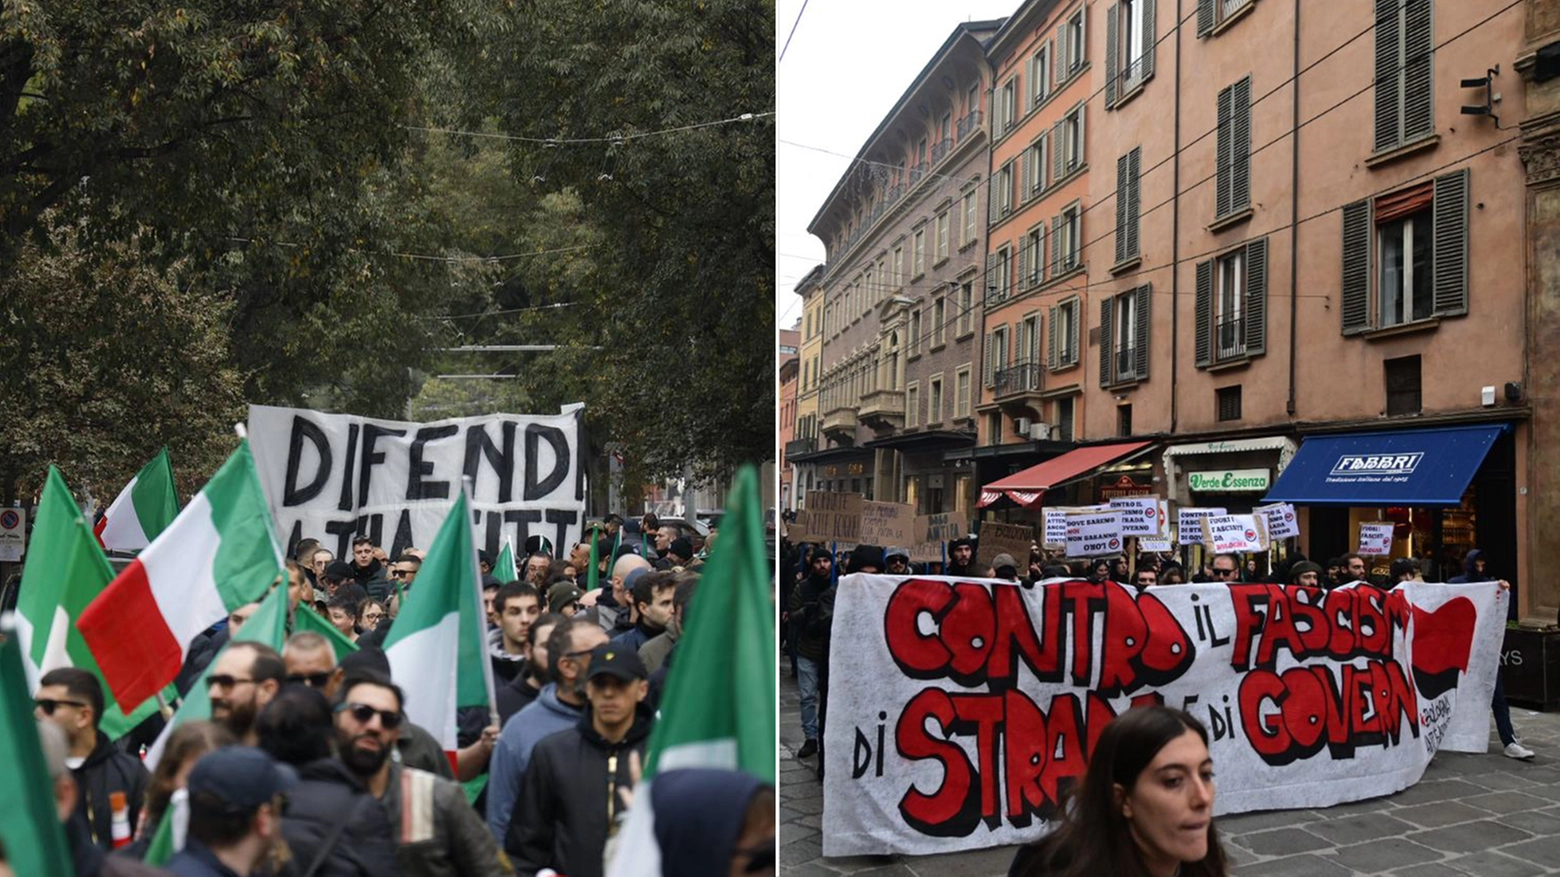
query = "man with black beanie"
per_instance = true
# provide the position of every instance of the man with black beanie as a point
(961, 557)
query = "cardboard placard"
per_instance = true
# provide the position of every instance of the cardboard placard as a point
(1281, 521)
(1094, 533)
(943, 527)
(1139, 515)
(926, 552)
(832, 517)
(1013, 539)
(1234, 533)
(886, 524)
(1376, 539)
(1189, 529)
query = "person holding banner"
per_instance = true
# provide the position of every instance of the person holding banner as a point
(1143, 809)
(1474, 571)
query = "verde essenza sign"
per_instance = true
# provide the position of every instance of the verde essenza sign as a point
(1230, 481)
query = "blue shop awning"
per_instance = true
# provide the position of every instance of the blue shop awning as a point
(1408, 467)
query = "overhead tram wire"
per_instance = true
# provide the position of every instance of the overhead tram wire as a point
(792, 33)
(613, 139)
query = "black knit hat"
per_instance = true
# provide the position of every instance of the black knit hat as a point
(865, 556)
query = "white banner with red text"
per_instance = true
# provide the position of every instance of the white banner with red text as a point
(961, 711)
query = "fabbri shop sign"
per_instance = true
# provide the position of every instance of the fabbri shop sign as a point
(1370, 467)
(1230, 481)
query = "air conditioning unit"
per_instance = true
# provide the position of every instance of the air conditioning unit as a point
(1040, 432)
(1021, 425)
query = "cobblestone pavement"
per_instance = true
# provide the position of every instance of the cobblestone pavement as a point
(1484, 815)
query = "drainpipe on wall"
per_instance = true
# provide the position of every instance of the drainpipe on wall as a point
(1175, 236)
(1294, 210)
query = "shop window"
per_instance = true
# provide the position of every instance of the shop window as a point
(1123, 420)
(1228, 399)
(1404, 394)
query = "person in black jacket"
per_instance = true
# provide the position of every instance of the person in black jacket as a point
(73, 700)
(812, 641)
(536, 673)
(569, 796)
(330, 816)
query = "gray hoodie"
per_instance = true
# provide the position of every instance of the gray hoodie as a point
(543, 717)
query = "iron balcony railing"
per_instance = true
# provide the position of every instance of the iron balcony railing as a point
(1231, 338)
(1017, 378)
(969, 124)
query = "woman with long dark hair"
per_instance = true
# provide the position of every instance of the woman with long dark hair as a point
(1144, 808)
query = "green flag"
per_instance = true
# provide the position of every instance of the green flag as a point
(307, 619)
(66, 570)
(504, 567)
(30, 830)
(718, 709)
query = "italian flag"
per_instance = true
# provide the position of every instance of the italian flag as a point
(142, 510)
(718, 709)
(267, 625)
(306, 619)
(437, 646)
(69, 571)
(30, 832)
(217, 555)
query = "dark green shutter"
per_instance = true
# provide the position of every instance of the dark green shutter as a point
(1134, 198)
(1240, 148)
(1451, 244)
(1224, 135)
(1123, 181)
(1112, 29)
(1355, 288)
(986, 374)
(1050, 342)
(1205, 17)
(1388, 93)
(1105, 351)
(1256, 297)
(1149, 36)
(1417, 48)
(1145, 297)
(1203, 331)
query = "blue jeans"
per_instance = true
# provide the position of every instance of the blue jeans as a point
(1502, 713)
(807, 682)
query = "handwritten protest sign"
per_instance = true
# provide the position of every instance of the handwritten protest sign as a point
(1139, 514)
(1011, 539)
(1240, 533)
(1094, 533)
(1189, 524)
(1376, 539)
(886, 524)
(1280, 518)
(1161, 545)
(961, 712)
(1054, 527)
(335, 476)
(941, 527)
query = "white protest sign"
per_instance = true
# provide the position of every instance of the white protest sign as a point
(13, 534)
(1189, 524)
(1093, 533)
(1233, 533)
(1280, 518)
(1376, 539)
(960, 712)
(1139, 514)
(333, 476)
(1154, 545)
(1055, 535)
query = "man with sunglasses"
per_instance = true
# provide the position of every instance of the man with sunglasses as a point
(242, 681)
(438, 832)
(557, 708)
(1226, 569)
(72, 700)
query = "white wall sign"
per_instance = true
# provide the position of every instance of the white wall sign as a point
(13, 534)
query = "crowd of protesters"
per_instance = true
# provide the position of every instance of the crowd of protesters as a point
(308, 765)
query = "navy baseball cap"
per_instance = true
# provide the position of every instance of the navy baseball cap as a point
(618, 661)
(242, 777)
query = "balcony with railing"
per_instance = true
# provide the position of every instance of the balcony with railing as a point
(941, 149)
(969, 124)
(1018, 385)
(1231, 339)
(840, 422)
(1126, 364)
(796, 447)
(883, 410)
(917, 172)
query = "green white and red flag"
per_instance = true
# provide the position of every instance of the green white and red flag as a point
(144, 509)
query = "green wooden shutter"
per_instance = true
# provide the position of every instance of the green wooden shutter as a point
(1225, 137)
(1051, 360)
(986, 374)
(1134, 198)
(1203, 330)
(1105, 351)
(1388, 92)
(1417, 49)
(1256, 297)
(1149, 36)
(1112, 29)
(1205, 17)
(1355, 288)
(1123, 181)
(1145, 298)
(1451, 244)
(1240, 149)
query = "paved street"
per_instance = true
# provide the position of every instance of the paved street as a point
(1484, 815)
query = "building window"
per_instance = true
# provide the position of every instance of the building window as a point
(1233, 151)
(1227, 306)
(1405, 255)
(939, 321)
(1124, 336)
(966, 307)
(1403, 386)
(1063, 342)
(998, 281)
(970, 215)
(1008, 107)
(1066, 239)
(996, 354)
(913, 404)
(1129, 47)
(961, 392)
(942, 236)
(918, 254)
(915, 332)
(1063, 427)
(994, 428)
(1123, 420)
(899, 268)
(1128, 208)
(1073, 39)
(1067, 142)
(934, 399)
(1032, 261)
(1227, 403)
(1403, 82)
(1212, 13)
(1039, 76)
(1004, 193)
(1231, 305)
(1035, 167)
